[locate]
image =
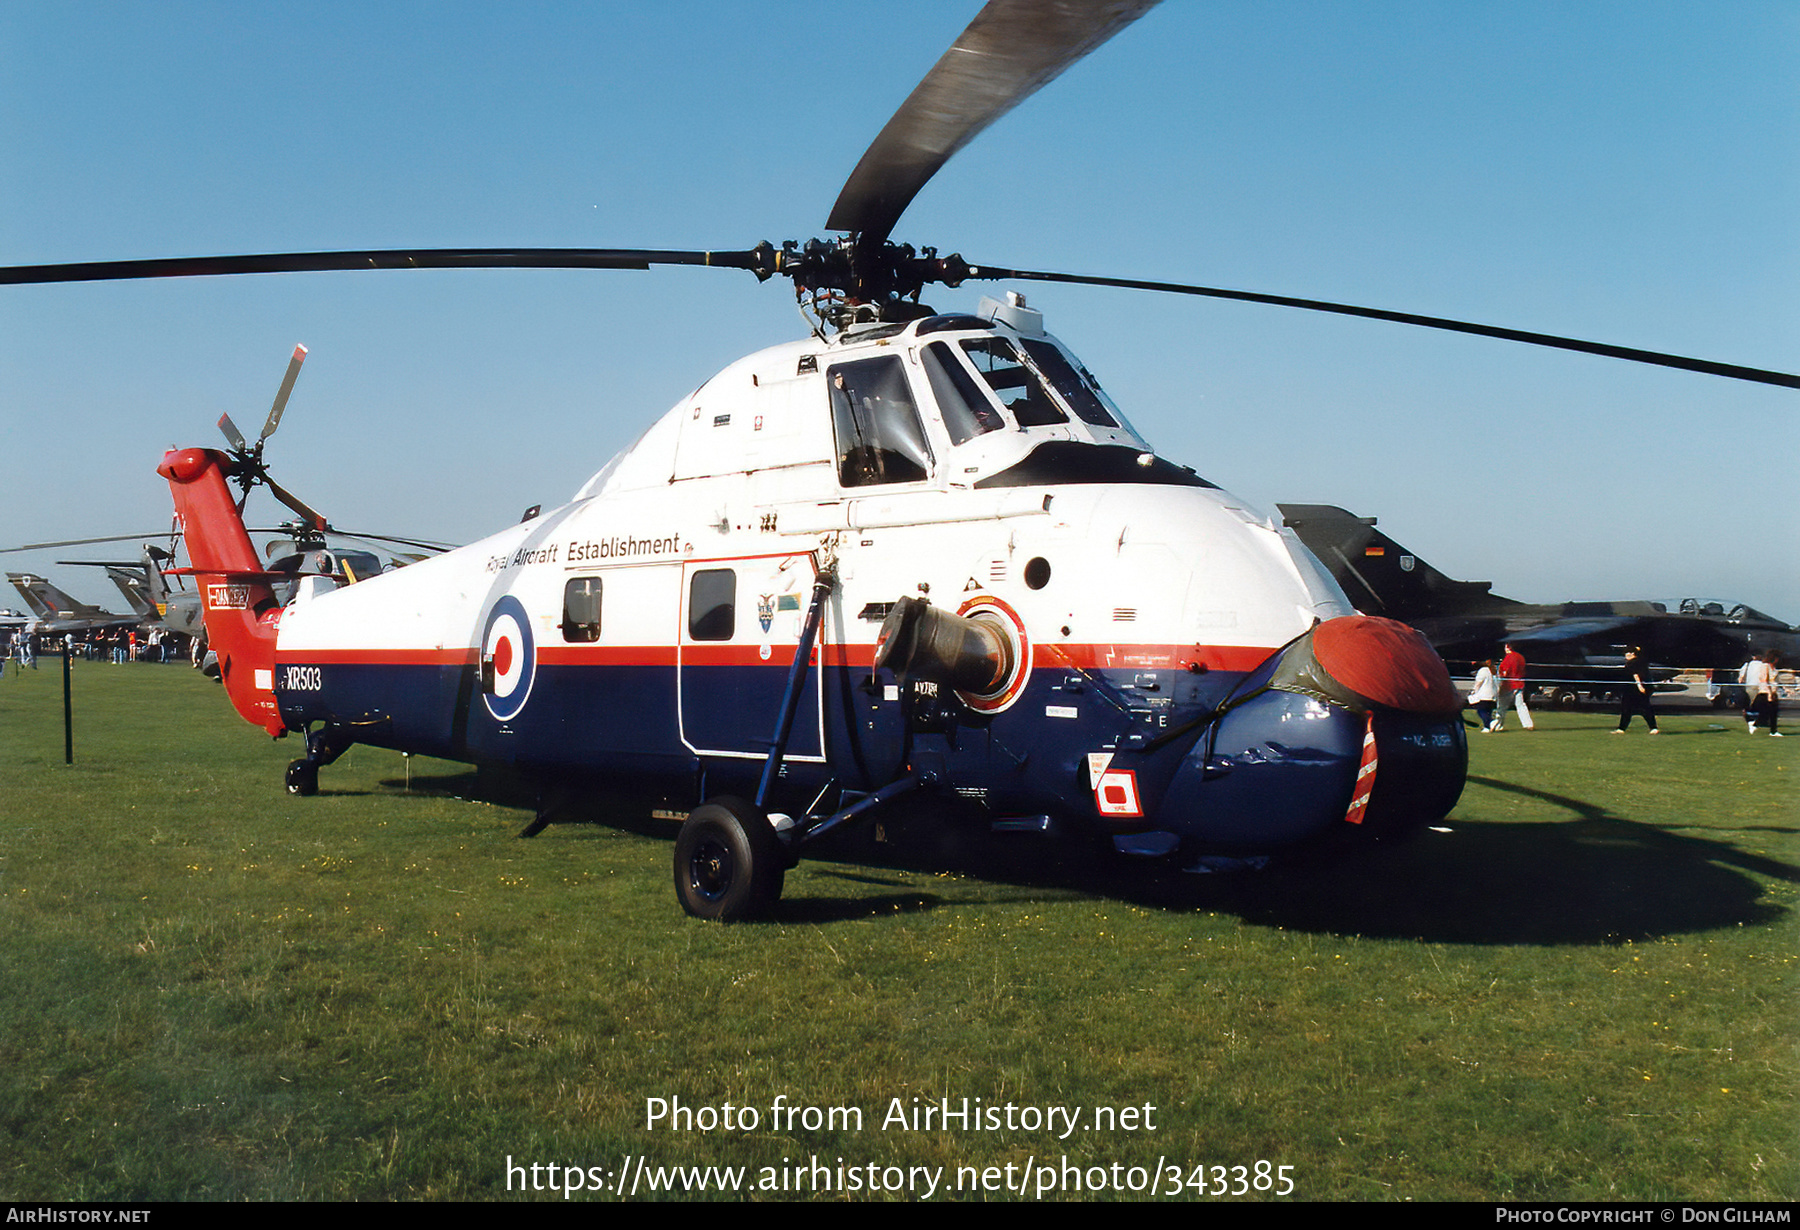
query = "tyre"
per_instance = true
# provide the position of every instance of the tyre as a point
(729, 864)
(302, 778)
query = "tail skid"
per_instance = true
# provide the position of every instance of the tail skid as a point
(238, 604)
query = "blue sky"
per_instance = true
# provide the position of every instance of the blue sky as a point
(1625, 172)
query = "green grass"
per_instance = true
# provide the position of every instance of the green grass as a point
(209, 990)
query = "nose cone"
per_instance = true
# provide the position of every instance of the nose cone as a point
(1378, 664)
(1354, 726)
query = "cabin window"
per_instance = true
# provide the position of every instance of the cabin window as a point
(581, 609)
(1015, 384)
(1072, 386)
(879, 436)
(712, 604)
(966, 411)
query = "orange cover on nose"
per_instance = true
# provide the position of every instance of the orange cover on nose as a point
(1387, 662)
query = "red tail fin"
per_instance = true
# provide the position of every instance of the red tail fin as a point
(237, 602)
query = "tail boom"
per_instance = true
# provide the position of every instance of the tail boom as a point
(240, 609)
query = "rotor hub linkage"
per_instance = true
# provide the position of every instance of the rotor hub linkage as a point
(888, 276)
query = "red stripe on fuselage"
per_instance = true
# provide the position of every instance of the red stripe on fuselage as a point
(377, 657)
(1067, 656)
(1118, 656)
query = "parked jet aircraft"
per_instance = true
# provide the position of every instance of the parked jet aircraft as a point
(1465, 621)
(56, 612)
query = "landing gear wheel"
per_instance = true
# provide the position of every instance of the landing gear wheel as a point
(729, 864)
(302, 778)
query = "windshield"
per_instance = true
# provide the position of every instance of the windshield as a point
(1075, 388)
(966, 411)
(1013, 382)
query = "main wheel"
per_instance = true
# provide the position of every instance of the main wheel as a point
(729, 864)
(302, 777)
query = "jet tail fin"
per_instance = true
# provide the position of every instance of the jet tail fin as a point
(135, 587)
(156, 585)
(239, 606)
(50, 602)
(1380, 576)
(23, 582)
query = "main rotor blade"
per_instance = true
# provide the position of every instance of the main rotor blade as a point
(82, 542)
(281, 397)
(289, 531)
(1707, 366)
(378, 258)
(420, 543)
(1011, 50)
(312, 518)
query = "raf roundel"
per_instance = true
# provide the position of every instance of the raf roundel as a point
(508, 645)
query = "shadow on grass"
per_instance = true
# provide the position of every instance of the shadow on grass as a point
(1596, 877)
(1599, 879)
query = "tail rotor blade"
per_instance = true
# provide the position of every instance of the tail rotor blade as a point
(233, 436)
(281, 398)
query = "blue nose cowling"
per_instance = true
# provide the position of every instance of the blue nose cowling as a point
(1354, 727)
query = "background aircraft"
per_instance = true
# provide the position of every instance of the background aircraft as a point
(1465, 621)
(133, 582)
(146, 588)
(57, 613)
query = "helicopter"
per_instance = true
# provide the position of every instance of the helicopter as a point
(919, 555)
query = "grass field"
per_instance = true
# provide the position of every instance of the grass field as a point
(1585, 990)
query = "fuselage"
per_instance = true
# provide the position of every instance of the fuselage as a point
(649, 626)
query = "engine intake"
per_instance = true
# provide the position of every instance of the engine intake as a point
(972, 654)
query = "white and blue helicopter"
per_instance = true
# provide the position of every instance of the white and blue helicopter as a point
(917, 557)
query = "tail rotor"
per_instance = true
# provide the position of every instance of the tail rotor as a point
(248, 467)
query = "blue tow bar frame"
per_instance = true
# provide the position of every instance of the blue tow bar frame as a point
(790, 700)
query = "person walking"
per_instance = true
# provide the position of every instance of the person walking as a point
(1634, 697)
(1483, 693)
(1512, 690)
(1762, 703)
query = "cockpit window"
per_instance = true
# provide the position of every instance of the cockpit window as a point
(879, 436)
(357, 565)
(966, 410)
(1072, 386)
(1013, 382)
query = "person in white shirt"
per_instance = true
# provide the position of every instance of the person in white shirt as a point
(1761, 703)
(1483, 693)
